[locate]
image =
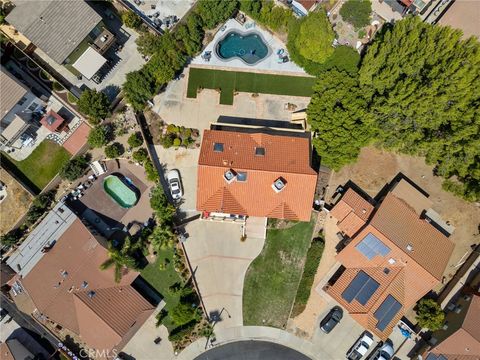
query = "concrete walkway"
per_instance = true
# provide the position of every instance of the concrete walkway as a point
(220, 260)
(263, 333)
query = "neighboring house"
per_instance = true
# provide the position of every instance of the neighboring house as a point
(68, 32)
(60, 283)
(303, 7)
(18, 107)
(405, 7)
(461, 338)
(253, 173)
(396, 251)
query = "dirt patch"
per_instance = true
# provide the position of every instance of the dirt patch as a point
(155, 123)
(15, 205)
(375, 168)
(279, 224)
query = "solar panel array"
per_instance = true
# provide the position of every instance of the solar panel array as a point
(361, 288)
(386, 312)
(371, 246)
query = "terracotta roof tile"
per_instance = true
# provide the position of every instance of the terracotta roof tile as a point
(360, 206)
(285, 157)
(78, 139)
(78, 255)
(403, 226)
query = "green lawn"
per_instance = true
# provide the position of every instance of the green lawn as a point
(230, 81)
(41, 166)
(161, 280)
(272, 279)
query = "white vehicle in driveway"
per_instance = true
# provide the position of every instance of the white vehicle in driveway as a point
(385, 352)
(361, 347)
(174, 184)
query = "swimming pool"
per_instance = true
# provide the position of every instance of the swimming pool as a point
(250, 47)
(118, 190)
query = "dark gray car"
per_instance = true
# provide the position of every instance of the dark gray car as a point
(331, 320)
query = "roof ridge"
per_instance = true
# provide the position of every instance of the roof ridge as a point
(260, 170)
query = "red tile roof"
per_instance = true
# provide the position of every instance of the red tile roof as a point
(411, 274)
(465, 342)
(64, 300)
(286, 157)
(78, 139)
(52, 121)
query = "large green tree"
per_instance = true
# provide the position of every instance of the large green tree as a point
(357, 12)
(99, 136)
(429, 314)
(95, 104)
(311, 38)
(120, 258)
(214, 12)
(423, 83)
(338, 114)
(138, 89)
(74, 168)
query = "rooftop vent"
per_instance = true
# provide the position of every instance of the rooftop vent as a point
(391, 261)
(410, 247)
(218, 147)
(229, 175)
(279, 185)
(91, 294)
(84, 285)
(386, 271)
(64, 273)
(260, 151)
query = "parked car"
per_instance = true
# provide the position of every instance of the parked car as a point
(331, 319)
(384, 352)
(360, 348)
(173, 178)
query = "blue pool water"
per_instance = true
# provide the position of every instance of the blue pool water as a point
(250, 48)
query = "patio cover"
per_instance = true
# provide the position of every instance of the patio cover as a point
(89, 63)
(14, 129)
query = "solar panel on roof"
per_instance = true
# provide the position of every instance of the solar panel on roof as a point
(386, 312)
(361, 288)
(370, 246)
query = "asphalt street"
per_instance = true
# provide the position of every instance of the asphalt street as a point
(252, 350)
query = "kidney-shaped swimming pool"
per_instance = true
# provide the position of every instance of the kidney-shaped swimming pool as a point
(119, 191)
(249, 47)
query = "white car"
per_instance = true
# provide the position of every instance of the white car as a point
(173, 178)
(361, 347)
(385, 352)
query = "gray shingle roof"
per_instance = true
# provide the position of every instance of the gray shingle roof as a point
(55, 26)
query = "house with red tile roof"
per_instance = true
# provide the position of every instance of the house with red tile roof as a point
(460, 338)
(254, 173)
(394, 255)
(59, 282)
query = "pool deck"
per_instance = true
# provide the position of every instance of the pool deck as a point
(97, 203)
(268, 65)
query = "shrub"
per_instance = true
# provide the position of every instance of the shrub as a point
(183, 314)
(429, 314)
(214, 12)
(265, 12)
(99, 136)
(39, 206)
(152, 173)
(114, 150)
(72, 99)
(172, 129)
(95, 105)
(131, 20)
(57, 87)
(140, 155)
(167, 141)
(177, 142)
(181, 332)
(160, 317)
(148, 43)
(159, 203)
(314, 256)
(135, 140)
(357, 12)
(74, 168)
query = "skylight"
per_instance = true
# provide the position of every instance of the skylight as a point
(242, 176)
(229, 176)
(260, 151)
(218, 147)
(279, 184)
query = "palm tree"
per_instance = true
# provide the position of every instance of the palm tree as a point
(162, 237)
(120, 258)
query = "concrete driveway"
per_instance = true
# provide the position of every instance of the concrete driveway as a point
(185, 161)
(220, 261)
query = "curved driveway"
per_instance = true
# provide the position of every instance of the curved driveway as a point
(252, 350)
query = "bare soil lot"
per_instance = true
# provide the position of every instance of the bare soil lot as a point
(375, 168)
(15, 204)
